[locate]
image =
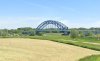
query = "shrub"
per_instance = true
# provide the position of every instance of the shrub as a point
(40, 33)
(74, 33)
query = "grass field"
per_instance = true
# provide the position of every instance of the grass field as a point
(18, 49)
(91, 58)
(89, 43)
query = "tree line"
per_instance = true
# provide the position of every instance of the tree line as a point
(28, 31)
(77, 33)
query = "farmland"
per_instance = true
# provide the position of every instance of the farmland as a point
(21, 49)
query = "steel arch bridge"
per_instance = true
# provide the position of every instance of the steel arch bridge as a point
(60, 26)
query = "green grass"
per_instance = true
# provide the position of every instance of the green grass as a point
(68, 40)
(88, 39)
(54, 34)
(57, 37)
(85, 45)
(91, 58)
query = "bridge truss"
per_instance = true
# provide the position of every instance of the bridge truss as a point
(51, 24)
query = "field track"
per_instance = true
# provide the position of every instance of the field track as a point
(19, 49)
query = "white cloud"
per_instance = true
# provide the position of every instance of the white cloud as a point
(16, 22)
(96, 24)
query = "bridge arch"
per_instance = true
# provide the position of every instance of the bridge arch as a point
(61, 27)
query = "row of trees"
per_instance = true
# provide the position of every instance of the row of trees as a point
(74, 33)
(18, 32)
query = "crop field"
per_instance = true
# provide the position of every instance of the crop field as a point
(24, 49)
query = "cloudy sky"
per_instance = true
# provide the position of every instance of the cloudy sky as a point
(30, 13)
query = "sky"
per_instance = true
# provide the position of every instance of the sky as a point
(30, 13)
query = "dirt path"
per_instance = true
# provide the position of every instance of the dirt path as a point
(40, 50)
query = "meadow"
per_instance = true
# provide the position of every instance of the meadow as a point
(18, 45)
(25, 49)
(91, 58)
(87, 42)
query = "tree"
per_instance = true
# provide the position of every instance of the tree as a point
(81, 34)
(91, 34)
(32, 33)
(74, 33)
(98, 36)
(40, 33)
(82, 28)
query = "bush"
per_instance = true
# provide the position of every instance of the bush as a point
(81, 34)
(91, 34)
(40, 33)
(74, 33)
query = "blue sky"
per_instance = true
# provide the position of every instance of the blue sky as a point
(30, 13)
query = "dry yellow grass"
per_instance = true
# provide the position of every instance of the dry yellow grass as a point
(17, 49)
